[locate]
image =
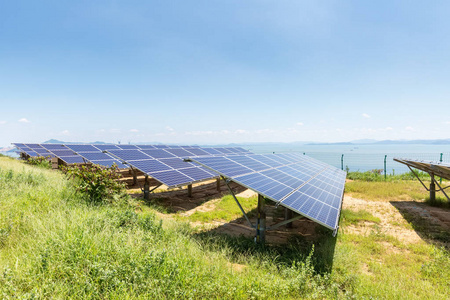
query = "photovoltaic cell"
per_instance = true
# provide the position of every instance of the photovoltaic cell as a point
(95, 156)
(60, 153)
(158, 153)
(74, 159)
(54, 146)
(129, 155)
(103, 147)
(109, 163)
(82, 148)
(298, 182)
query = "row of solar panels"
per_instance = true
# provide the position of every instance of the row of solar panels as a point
(300, 183)
(164, 164)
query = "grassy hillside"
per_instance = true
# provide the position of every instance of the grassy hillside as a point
(53, 244)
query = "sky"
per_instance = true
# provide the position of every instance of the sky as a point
(215, 72)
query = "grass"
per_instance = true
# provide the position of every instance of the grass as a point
(54, 244)
(225, 209)
(352, 217)
(386, 191)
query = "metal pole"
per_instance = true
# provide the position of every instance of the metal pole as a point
(440, 180)
(218, 184)
(189, 190)
(432, 190)
(146, 189)
(385, 167)
(261, 223)
(288, 215)
(342, 162)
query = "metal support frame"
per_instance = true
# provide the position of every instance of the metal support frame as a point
(218, 184)
(286, 222)
(261, 222)
(134, 173)
(432, 188)
(237, 201)
(189, 189)
(288, 214)
(146, 189)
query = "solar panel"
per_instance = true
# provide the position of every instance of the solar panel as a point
(95, 155)
(74, 159)
(82, 148)
(158, 153)
(142, 147)
(180, 152)
(297, 182)
(104, 147)
(128, 147)
(60, 153)
(129, 155)
(54, 146)
(109, 163)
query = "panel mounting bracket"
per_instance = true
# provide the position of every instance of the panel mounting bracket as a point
(227, 181)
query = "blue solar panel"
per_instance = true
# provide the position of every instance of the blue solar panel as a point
(95, 155)
(176, 163)
(74, 159)
(180, 152)
(129, 155)
(197, 151)
(298, 182)
(196, 173)
(63, 153)
(172, 178)
(149, 166)
(109, 163)
(31, 153)
(103, 147)
(224, 150)
(54, 146)
(212, 151)
(142, 147)
(32, 146)
(82, 148)
(42, 152)
(128, 147)
(158, 153)
(161, 146)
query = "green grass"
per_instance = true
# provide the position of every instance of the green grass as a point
(386, 191)
(54, 244)
(353, 217)
(225, 209)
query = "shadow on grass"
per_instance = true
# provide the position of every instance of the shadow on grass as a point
(284, 246)
(173, 201)
(432, 224)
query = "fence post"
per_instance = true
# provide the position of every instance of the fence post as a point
(342, 162)
(385, 167)
(440, 160)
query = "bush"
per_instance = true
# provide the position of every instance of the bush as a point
(40, 161)
(98, 183)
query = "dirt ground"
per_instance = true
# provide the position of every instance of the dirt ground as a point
(408, 221)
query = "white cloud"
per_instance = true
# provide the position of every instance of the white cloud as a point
(446, 122)
(2, 122)
(388, 128)
(134, 130)
(366, 116)
(65, 132)
(115, 130)
(241, 131)
(409, 128)
(170, 128)
(24, 120)
(300, 124)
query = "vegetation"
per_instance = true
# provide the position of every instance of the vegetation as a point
(55, 244)
(377, 175)
(97, 183)
(40, 161)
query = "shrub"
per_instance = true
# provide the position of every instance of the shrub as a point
(100, 184)
(40, 161)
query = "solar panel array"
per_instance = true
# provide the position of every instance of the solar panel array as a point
(162, 162)
(300, 183)
(437, 168)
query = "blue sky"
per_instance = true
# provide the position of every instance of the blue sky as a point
(215, 72)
